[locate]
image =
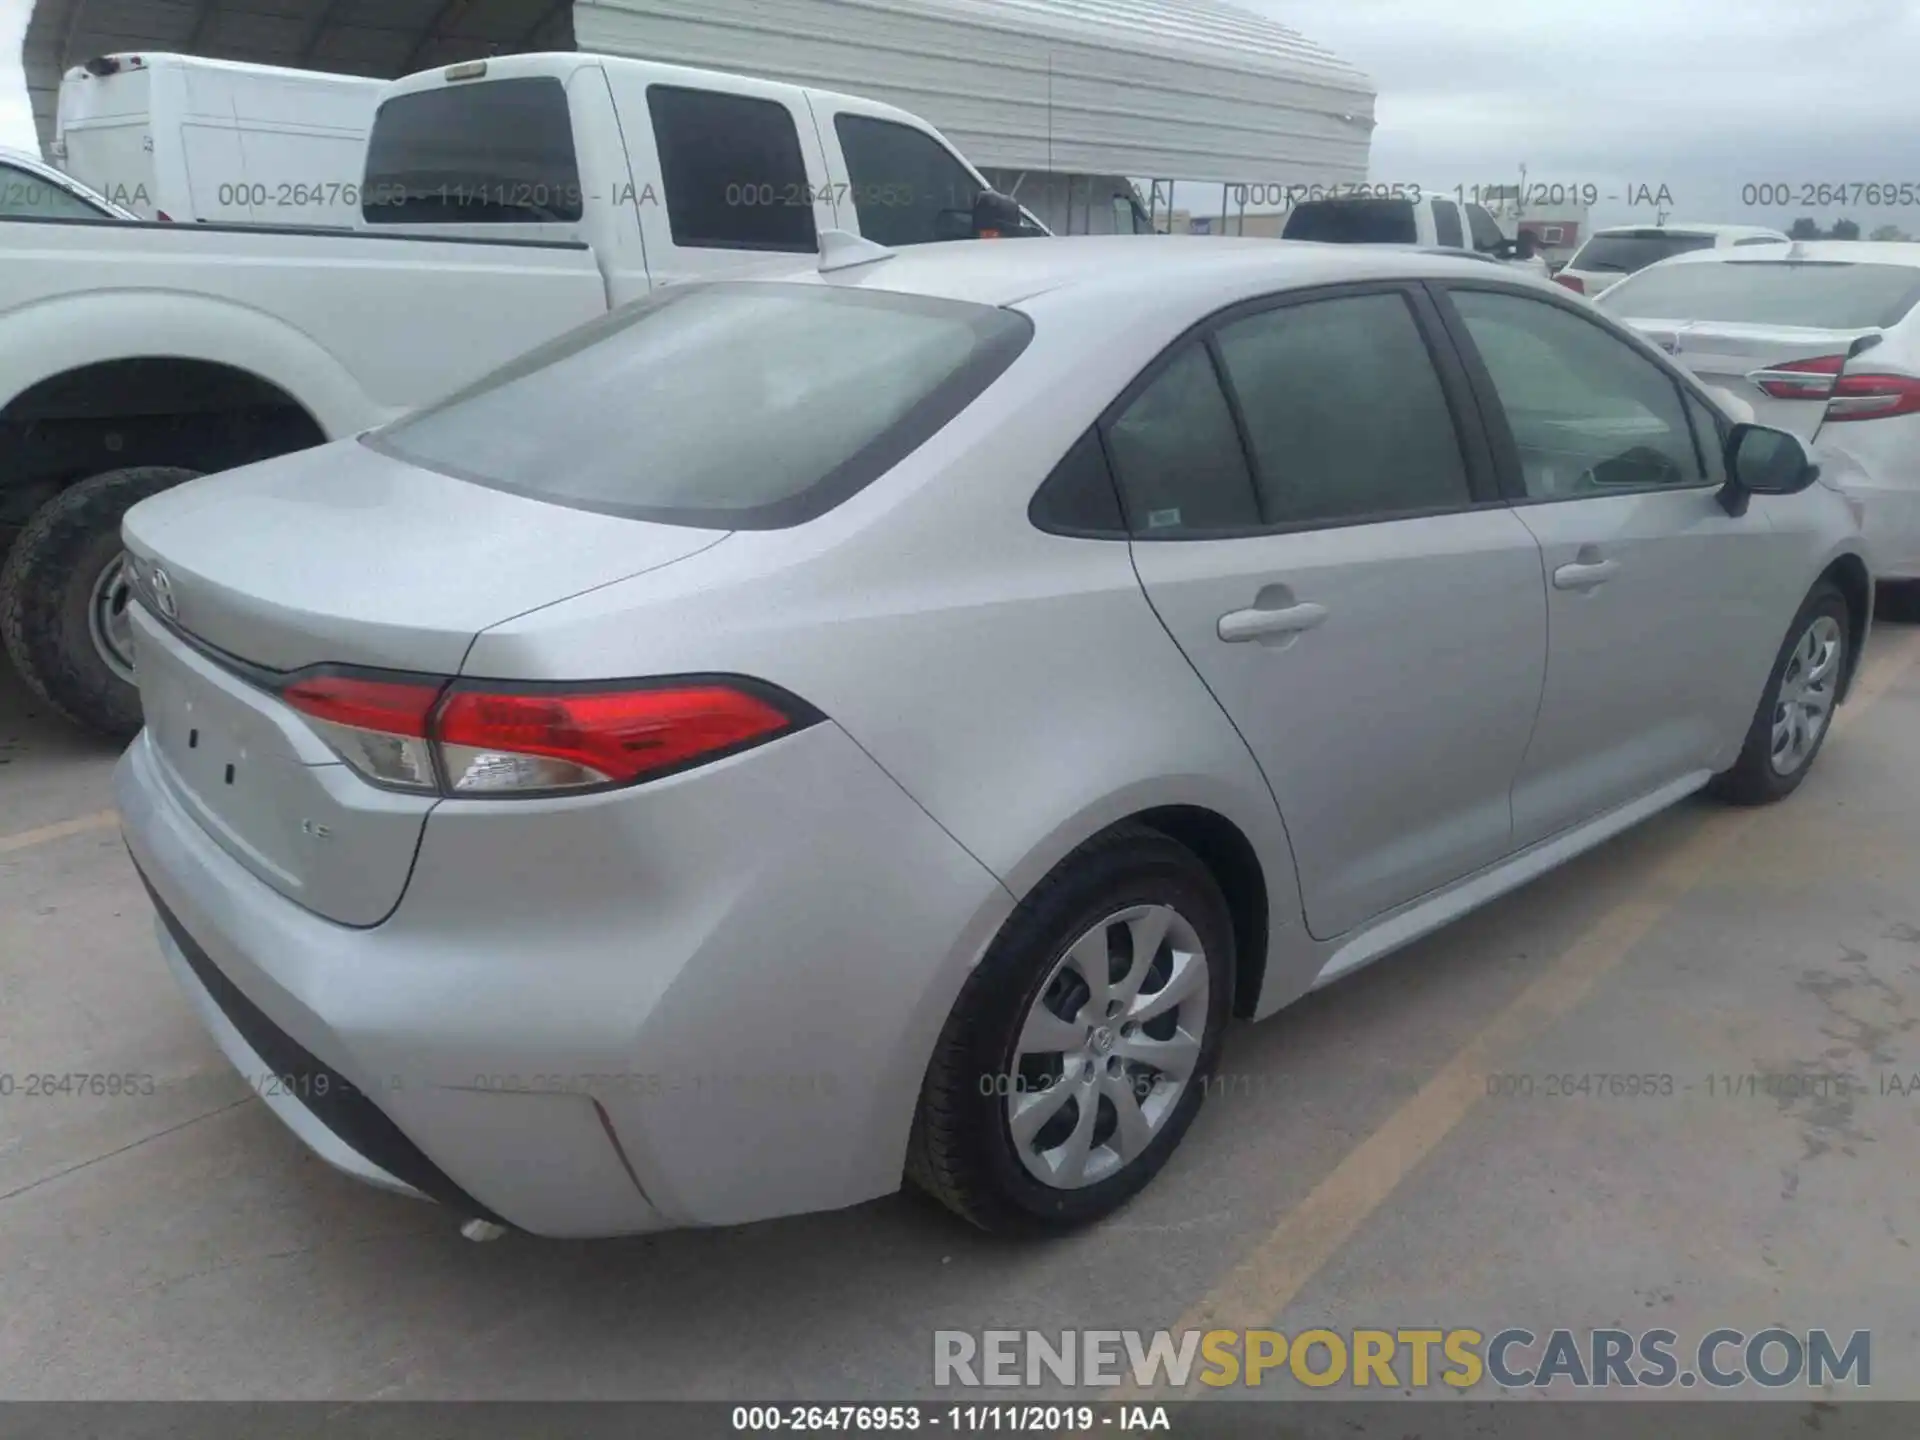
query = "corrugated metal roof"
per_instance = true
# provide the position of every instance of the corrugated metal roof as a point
(1176, 89)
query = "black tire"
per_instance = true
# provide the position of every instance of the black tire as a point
(1753, 780)
(46, 587)
(961, 1151)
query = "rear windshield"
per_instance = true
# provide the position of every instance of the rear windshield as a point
(1632, 250)
(1771, 292)
(495, 151)
(1353, 222)
(733, 406)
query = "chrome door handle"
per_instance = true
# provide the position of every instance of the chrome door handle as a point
(1254, 624)
(1585, 577)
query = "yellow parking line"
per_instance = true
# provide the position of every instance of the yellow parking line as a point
(1314, 1231)
(27, 839)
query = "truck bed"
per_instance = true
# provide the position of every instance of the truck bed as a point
(360, 327)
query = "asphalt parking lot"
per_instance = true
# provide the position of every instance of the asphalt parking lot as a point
(1374, 1156)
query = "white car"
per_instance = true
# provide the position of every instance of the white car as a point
(1773, 326)
(31, 189)
(1610, 255)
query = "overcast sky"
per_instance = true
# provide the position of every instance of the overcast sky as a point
(1704, 97)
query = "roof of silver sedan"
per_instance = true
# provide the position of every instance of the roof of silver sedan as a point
(1007, 272)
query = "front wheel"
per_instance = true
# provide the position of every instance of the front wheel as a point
(64, 595)
(1796, 708)
(1079, 1051)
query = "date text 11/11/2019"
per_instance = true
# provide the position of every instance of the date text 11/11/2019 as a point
(1531, 196)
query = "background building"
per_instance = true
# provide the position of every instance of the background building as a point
(1057, 101)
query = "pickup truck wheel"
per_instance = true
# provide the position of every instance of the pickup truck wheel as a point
(64, 596)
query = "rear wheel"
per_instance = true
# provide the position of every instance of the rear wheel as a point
(1078, 1053)
(1796, 708)
(64, 595)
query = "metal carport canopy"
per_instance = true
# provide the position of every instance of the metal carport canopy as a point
(1178, 89)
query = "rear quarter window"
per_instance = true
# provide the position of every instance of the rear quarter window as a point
(731, 406)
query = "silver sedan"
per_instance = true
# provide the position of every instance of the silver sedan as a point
(883, 720)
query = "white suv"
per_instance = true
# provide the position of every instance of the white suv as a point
(1610, 255)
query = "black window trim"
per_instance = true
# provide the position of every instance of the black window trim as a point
(1493, 413)
(1476, 450)
(755, 247)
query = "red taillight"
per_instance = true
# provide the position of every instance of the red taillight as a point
(379, 727)
(475, 741)
(1854, 397)
(503, 740)
(1572, 282)
(395, 707)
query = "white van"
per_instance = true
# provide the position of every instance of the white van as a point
(178, 137)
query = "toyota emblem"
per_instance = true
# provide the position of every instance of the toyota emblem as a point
(163, 593)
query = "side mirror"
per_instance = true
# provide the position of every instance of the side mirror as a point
(996, 216)
(1764, 461)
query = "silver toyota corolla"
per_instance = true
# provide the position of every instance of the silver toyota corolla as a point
(884, 719)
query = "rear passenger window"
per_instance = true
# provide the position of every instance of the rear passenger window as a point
(1178, 455)
(733, 172)
(908, 189)
(1446, 224)
(1344, 412)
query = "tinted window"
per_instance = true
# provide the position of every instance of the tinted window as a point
(493, 151)
(1344, 413)
(1588, 414)
(24, 195)
(1446, 224)
(908, 189)
(1487, 234)
(1822, 295)
(1758, 240)
(1079, 498)
(1623, 253)
(1177, 454)
(736, 406)
(732, 170)
(1353, 222)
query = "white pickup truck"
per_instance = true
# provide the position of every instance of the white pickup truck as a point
(503, 202)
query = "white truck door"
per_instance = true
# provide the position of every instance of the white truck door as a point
(725, 175)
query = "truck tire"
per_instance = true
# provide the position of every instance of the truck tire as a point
(62, 595)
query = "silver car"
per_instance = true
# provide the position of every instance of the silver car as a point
(884, 719)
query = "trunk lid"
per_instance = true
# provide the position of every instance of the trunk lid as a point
(337, 555)
(1726, 354)
(343, 555)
